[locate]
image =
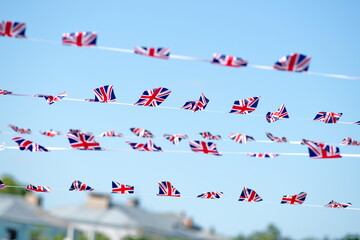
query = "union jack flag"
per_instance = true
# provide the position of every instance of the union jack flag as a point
(197, 105)
(229, 61)
(328, 117)
(240, 138)
(357, 123)
(122, 188)
(80, 39)
(276, 139)
(20, 130)
(83, 141)
(2, 185)
(211, 195)
(103, 94)
(50, 133)
(26, 145)
(318, 150)
(175, 138)
(167, 190)
(349, 141)
(140, 132)
(245, 106)
(163, 53)
(148, 147)
(12, 29)
(52, 99)
(249, 195)
(263, 155)
(111, 133)
(204, 147)
(294, 62)
(79, 186)
(5, 92)
(153, 97)
(333, 204)
(279, 114)
(33, 188)
(75, 131)
(296, 199)
(209, 136)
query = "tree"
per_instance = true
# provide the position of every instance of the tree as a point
(10, 181)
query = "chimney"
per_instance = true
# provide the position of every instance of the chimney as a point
(133, 202)
(98, 201)
(33, 199)
(188, 222)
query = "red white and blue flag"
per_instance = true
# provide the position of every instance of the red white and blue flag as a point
(211, 195)
(111, 133)
(296, 199)
(26, 145)
(197, 105)
(122, 188)
(294, 62)
(52, 99)
(229, 61)
(276, 139)
(148, 147)
(175, 138)
(79, 186)
(20, 130)
(163, 53)
(263, 155)
(350, 142)
(279, 114)
(50, 133)
(328, 117)
(5, 92)
(319, 150)
(204, 147)
(103, 94)
(80, 39)
(249, 195)
(167, 190)
(357, 123)
(241, 138)
(140, 132)
(33, 188)
(2, 185)
(209, 136)
(333, 204)
(153, 97)
(83, 141)
(12, 29)
(245, 106)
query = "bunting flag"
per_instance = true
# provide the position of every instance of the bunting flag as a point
(5, 92)
(199, 105)
(350, 142)
(162, 53)
(50, 133)
(175, 138)
(263, 155)
(33, 188)
(229, 61)
(153, 97)
(12, 29)
(83, 141)
(209, 136)
(245, 106)
(122, 188)
(318, 150)
(26, 145)
(79, 186)
(276, 139)
(111, 133)
(296, 199)
(211, 195)
(103, 94)
(241, 138)
(204, 147)
(279, 114)
(52, 99)
(357, 123)
(143, 133)
(80, 39)
(2, 185)
(167, 190)
(20, 130)
(249, 195)
(148, 147)
(333, 204)
(328, 117)
(294, 62)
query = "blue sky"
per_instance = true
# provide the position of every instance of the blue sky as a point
(261, 32)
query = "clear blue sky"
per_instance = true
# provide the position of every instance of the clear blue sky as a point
(260, 32)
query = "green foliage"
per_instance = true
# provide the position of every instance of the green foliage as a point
(100, 236)
(145, 238)
(351, 237)
(8, 180)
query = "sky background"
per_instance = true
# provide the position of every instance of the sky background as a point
(259, 31)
